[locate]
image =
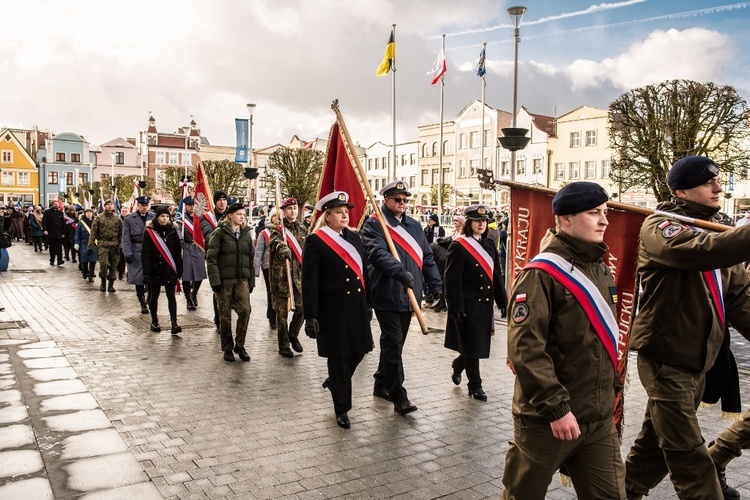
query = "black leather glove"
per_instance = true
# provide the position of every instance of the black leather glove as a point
(285, 253)
(407, 280)
(503, 313)
(250, 284)
(128, 259)
(312, 328)
(458, 317)
(217, 288)
(371, 312)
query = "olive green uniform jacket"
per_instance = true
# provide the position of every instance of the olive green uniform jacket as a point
(277, 264)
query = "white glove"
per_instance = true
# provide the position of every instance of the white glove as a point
(75, 246)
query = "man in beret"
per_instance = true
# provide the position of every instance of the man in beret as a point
(415, 269)
(133, 229)
(693, 284)
(209, 223)
(286, 243)
(106, 237)
(566, 378)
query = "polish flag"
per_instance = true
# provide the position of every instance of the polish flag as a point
(439, 67)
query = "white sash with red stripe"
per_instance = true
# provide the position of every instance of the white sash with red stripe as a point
(714, 285)
(480, 254)
(211, 218)
(293, 244)
(598, 311)
(266, 233)
(343, 249)
(406, 242)
(161, 245)
(188, 223)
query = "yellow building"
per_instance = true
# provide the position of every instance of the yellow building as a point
(19, 176)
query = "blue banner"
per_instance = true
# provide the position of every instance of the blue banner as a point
(241, 126)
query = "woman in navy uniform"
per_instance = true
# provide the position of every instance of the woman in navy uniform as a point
(473, 281)
(335, 298)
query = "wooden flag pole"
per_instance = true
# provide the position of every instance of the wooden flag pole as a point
(379, 215)
(712, 226)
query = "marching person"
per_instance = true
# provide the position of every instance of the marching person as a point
(209, 223)
(230, 272)
(133, 230)
(193, 256)
(121, 264)
(562, 342)
(415, 269)
(37, 228)
(261, 263)
(161, 261)
(473, 282)
(287, 240)
(692, 286)
(53, 224)
(433, 230)
(335, 298)
(106, 234)
(88, 253)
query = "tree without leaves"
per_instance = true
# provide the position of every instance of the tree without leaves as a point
(299, 172)
(653, 126)
(171, 178)
(225, 175)
(446, 194)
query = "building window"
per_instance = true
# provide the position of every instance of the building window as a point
(487, 137)
(559, 171)
(445, 148)
(473, 167)
(377, 163)
(369, 164)
(104, 179)
(160, 158)
(384, 162)
(120, 158)
(403, 160)
(173, 158)
(573, 170)
(590, 169)
(24, 179)
(446, 175)
(435, 178)
(75, 157)
(537, 165)
(434, 149)
(187, 159)
(605, 169)
(152, 141)
(8, 178)
(462, 141)
(412, 181)
(59, 156)
(591, 137)
(83, 177)
(377, 184)
(412, 160)
(68, 178)
(425, 177)
(504, 168)
(474, 139)
(520, 167)
(425, 151)
(575, 139)
(488, 163)
(462, 168)
(7, 156)
(52, 177)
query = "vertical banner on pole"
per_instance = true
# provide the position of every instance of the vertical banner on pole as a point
(241, 127)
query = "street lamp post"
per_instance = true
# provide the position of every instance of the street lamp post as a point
(250, 172)
(516, 14)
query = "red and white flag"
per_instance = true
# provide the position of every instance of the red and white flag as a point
(439, 67)
(204, 204)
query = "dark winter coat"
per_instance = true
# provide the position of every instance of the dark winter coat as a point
(469, 290)
(193, 257)
(54, 223)
(229, 257)
(156, 269)
(81, 238)
(332, 293)
(133, 229)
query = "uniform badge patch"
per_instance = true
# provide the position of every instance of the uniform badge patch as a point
(520, 312)
(671, 230)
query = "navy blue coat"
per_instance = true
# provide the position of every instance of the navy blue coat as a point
(81, 237)
(385, 270)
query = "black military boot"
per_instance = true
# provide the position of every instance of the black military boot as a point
(144, 306)
(155, 324)
(111, 287)
(194, 294)
(188, 296)
(175, 327)
(726, 490)
(85, 271)
(92, 267)
(103, 286)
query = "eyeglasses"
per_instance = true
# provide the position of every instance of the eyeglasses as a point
(400, 200)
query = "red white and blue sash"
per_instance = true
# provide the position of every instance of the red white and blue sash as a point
(714, 285)
(211, 218)
(161, 245)
(293, 244)
(405, 241)
(343, 249)
(596, 307)
(480, 254)
(266, 233)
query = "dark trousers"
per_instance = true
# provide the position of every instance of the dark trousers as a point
(732, 441)
(270, 315)
(153, 301)
(285, 332)
(471, 365)
(340, 372)
(390, 374)
(55, 250)
(235, 294)
(37, 242)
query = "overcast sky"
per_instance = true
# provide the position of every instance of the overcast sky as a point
(100, 68)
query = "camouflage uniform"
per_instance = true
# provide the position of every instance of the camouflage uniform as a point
(279, 283)
(106, 233)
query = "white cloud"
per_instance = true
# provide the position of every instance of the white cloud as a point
(695, 54)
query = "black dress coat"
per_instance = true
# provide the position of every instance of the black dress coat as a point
(332, 293)
(469, 290)
(157, 268)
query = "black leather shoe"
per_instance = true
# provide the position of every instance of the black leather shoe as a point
(286, 352)
(327, 383)
(155, 326)
(381, 393)
(343, 420)
(478, 394)
(272, 323)
(242, 353)
(404, 407)
(456, 377)
(727, 491)
(176, 328)
(228, 356)
(296, 344)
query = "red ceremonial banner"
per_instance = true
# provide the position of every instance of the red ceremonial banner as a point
(530, 218)
(204, 203)
(339, 174)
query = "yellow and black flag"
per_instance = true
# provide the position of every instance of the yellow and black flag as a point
(389, 59)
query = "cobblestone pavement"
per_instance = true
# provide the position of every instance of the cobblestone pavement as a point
(93, 405)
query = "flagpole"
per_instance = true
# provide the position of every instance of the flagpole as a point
(481, 130)
(440, 145)
(376, 208)
(393, 110)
